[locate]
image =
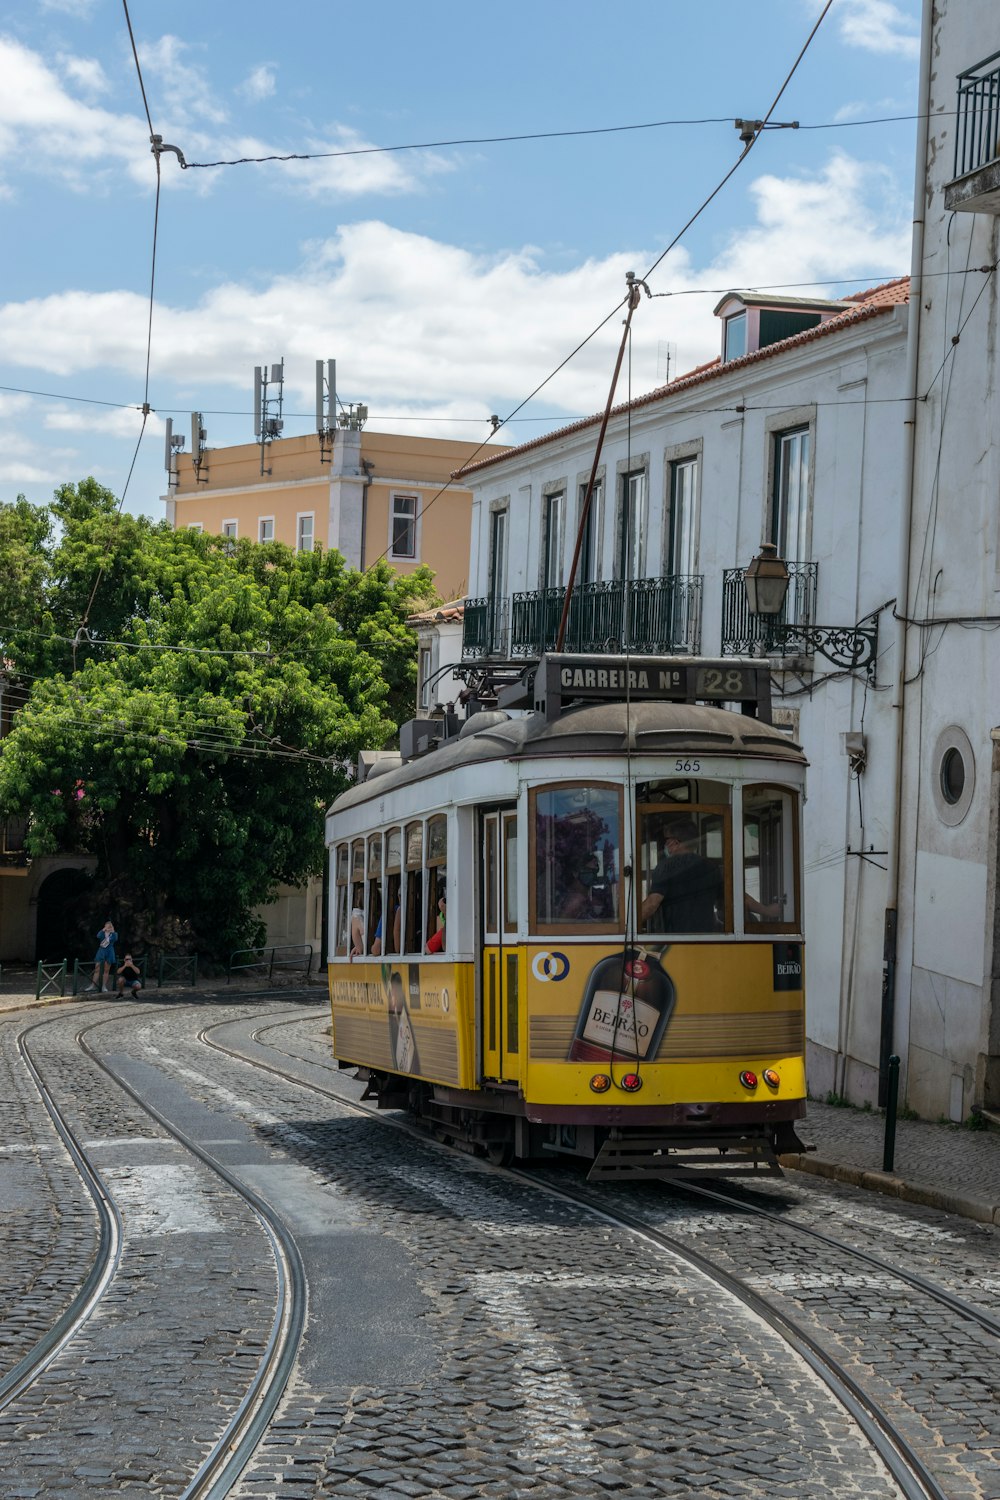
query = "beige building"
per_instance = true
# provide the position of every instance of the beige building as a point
(368, 494)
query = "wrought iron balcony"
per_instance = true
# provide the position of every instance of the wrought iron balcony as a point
(484, 629)
(651, 615)
(977, 140)
(745, 634)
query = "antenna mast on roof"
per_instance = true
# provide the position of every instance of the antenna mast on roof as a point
(326, 408)
(198, 436)
(267, 423)
(171, 447)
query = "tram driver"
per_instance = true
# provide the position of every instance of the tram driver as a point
(686, 890)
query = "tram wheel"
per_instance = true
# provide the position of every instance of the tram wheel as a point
(499, 1153)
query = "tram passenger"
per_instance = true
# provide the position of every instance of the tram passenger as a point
(357, 931)
(396, 921)
(436, 941)
(686, 890)
(585, 898)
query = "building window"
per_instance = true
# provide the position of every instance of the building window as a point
(552, 519)
(632, 533)
(194, 526)
(403, 526)
(230, 530)
(591, 552)
(736, 336)
(265, 529)
(304, 532)
(683, 534)
(790, 494)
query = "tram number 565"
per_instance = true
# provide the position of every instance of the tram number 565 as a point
(687, 766)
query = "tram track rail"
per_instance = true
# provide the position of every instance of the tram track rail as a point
(229, 1456)
(903, 1462)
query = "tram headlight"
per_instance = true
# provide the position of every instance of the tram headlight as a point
(600, 1083)
(631, 1083)
(771, 1078)
(748, 1079)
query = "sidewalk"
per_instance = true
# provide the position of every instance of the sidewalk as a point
(940, 1166)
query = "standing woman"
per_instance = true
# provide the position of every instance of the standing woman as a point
(104, 958)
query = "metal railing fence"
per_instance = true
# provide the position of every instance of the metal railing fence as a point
(977, 127)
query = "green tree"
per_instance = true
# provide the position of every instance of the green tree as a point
(191, 732)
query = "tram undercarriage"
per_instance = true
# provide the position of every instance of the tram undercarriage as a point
(503, 1133)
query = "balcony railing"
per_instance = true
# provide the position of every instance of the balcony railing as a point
(652, 615)
(977, 128)
(484, 628)
(744, 634)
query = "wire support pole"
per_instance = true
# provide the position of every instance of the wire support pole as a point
(634, 286)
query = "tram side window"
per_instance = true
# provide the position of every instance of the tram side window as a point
(576, 859)
(435, 931)
(770, 858)
(357, 898)
(684, 864)
(374, 893)
(414, 903)
(342, 909)
(389, 930)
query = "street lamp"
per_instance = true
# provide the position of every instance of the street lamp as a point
(848, 646)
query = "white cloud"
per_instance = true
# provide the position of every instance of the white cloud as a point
(879, 26)
(78, 8)
(45, 128)
(86, 73)
(419, 325)
(122, 422)
(183, 90)
(259, 83)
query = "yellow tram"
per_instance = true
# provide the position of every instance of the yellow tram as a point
(577, 927)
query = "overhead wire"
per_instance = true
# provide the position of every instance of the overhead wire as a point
(534, 135)
(149, 322)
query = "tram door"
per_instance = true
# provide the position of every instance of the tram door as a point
(498, 979)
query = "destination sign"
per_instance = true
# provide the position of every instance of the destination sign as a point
(613, 678)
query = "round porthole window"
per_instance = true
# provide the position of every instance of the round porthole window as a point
(954, 775)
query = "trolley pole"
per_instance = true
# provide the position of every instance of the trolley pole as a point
(892, 1099)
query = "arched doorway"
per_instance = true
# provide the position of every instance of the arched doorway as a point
(61, 906)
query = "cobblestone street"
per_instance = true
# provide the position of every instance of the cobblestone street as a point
(468, 1334)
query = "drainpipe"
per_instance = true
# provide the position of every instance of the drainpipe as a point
(368, 465)
(889, 954)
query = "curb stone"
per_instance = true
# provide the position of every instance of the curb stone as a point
(924, 1193)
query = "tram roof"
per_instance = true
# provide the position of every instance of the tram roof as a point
(645, 728)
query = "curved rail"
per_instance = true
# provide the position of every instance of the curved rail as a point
(232, 1452)
(109, 1246)
(229, 1456)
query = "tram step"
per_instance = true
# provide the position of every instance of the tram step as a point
(653, 1156)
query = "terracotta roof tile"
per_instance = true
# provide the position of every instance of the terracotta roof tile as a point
(868, 304)
(440, 614)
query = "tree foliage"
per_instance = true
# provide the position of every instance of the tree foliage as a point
(191, 734)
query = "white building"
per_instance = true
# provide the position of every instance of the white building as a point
(795, 435)
(947, 1010)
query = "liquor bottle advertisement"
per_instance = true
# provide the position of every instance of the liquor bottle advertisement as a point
(627, 1004)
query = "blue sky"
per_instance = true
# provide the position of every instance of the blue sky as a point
(446, 283)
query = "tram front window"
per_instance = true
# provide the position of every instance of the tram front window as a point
(576, 857)
(684, 864)
(770, 858)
